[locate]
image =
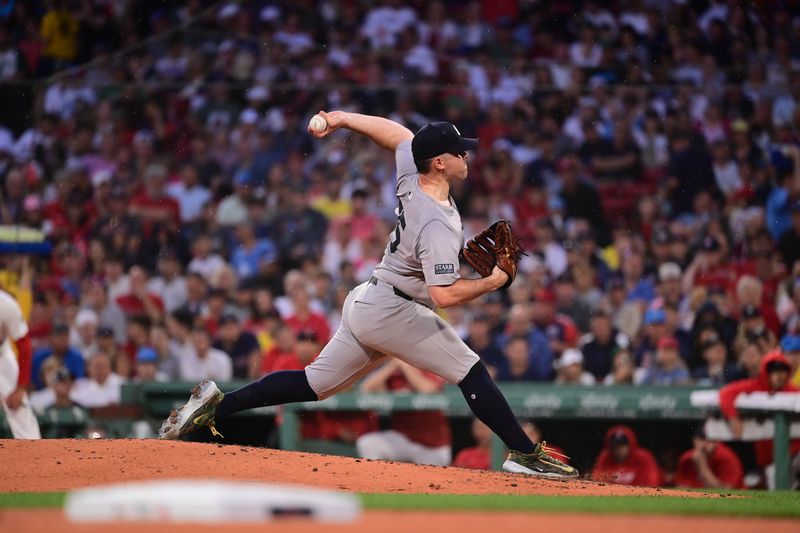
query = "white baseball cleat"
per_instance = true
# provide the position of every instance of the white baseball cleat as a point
(198, 412)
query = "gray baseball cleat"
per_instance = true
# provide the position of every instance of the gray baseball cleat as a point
(196, 413)
(539, 463)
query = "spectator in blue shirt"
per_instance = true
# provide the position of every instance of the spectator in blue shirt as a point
(60, 349)
(669, 368)
(540, 354)
(251, 254)
(521, 366)
(481, 341)
(638, 286)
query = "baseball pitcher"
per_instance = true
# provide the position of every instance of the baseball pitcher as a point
(392, 314)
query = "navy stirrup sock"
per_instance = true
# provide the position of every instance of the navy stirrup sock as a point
(491, 408)
(273, 389)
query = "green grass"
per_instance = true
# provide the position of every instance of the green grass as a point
(763, 504)
(784, 505)
(32, 499)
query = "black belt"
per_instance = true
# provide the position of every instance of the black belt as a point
(374, 281)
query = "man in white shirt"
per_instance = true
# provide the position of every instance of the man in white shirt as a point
(169, 285)
(570, 369)
(83, 334)
(57, 393)
(204, 261)
(204, 362)
(101, 388)
(190, 194)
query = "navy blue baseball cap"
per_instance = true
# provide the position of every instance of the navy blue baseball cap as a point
(437, 138)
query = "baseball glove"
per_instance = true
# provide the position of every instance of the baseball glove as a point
(496, 245)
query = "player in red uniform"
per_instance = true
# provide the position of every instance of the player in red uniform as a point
(421, 437)
(773, 376)
(709, 465)
(622, 461)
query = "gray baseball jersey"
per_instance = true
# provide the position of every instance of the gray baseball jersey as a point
(377, 322)
(423, 249)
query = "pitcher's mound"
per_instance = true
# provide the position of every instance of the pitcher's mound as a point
(60, 465)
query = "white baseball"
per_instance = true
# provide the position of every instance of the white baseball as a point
(318, 123)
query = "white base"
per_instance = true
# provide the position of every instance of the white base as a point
(209, 502)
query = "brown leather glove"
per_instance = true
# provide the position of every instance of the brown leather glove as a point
(496, 245)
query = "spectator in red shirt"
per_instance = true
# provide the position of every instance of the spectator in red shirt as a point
(709, 465)
(559, 329)
(283, 349)
(344, 426)
(138, 300)
(362, 220)
(710, 268)
(773, 377)
(478, 457)
(622, 461)
(153, 206)
(421, 437)
(304, 318)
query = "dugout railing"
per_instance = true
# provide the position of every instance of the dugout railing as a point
(611, 404)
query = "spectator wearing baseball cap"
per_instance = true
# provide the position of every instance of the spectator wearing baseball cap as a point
(56, 394)
(709, 267)
(83, 334)
(670, 284)
(570, 369)
(59, 348)
(669, 368)
(661, 245)
(753, 327)
(147, 366)
(654, 329)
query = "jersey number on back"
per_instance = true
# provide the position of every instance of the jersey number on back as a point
(401, 225)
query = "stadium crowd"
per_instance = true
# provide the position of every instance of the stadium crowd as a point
(646, 153)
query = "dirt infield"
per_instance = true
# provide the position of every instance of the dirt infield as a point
(49, 521)
(58, 465)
